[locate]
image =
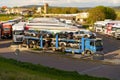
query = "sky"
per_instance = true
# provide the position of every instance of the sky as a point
(60, 3)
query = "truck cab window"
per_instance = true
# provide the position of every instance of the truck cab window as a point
(92, 43)
(6, 29)
(81, 32)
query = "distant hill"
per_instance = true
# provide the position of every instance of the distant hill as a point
(116, 7)
(29, 6)
(81, 8)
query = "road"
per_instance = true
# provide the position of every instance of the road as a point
(94, 68)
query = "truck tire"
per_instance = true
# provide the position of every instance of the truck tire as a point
(46, 45)
(88, 52)
(30, 44)
(51, 44)
(53, 49)
(62, 47)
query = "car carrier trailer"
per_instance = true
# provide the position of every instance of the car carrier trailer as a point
(82, 46)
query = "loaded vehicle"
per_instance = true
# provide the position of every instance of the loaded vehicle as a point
(83, 33)
(6, 30)
(83, 45)
(18, 32)
(80, 46)
(30, 33)
(50, 24)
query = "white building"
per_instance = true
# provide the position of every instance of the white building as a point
(81, 17)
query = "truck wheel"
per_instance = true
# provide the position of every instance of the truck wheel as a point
(53, 49)
(88, 52)
(30, 45)
(74, 37)
(46, 45)
(63, 49)
(62, 45)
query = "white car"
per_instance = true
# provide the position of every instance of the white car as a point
(30, 33)
(84, 33)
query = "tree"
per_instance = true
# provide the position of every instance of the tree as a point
(110, 13)
(74, 10)
(101, 13)
(63, 10)
(33, 9)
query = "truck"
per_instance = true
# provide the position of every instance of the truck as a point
(83, 46)
(18, 32)
(6, 30)
(106, 27)
(116, 33)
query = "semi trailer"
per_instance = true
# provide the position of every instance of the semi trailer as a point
(81, 46)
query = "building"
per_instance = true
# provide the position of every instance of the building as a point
(15, 10)
(81, 17)
(45, 8)
(27, 13)
(39, 10)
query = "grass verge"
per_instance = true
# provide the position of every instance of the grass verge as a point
(15, 70)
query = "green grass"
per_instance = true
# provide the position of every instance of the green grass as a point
(5, 17)
(15, 70)
(37, 49)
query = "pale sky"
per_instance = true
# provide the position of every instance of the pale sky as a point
(61, 3)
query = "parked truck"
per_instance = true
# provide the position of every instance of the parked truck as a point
(116, 31)
(6, 30)
(84, 45)
(81, 46)
(18, 32)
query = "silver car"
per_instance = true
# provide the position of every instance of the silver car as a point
(84, 33)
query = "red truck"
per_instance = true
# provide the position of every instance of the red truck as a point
(6, 30)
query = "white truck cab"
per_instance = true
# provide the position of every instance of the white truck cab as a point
(18, 32)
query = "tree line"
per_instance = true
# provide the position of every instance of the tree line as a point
(63, 10)
(100, 13)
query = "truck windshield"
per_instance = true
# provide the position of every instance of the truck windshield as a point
(6, 29)
(98, 43)
(118, 30)
(113, 28)
(18, 32)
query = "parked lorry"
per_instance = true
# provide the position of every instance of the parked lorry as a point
(6, 30)
(81, 46)
(116, 33)
(18, 32)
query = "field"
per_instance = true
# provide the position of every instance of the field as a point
(5, 17)
(15, 70)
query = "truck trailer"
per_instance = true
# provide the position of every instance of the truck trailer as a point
(81, 46)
